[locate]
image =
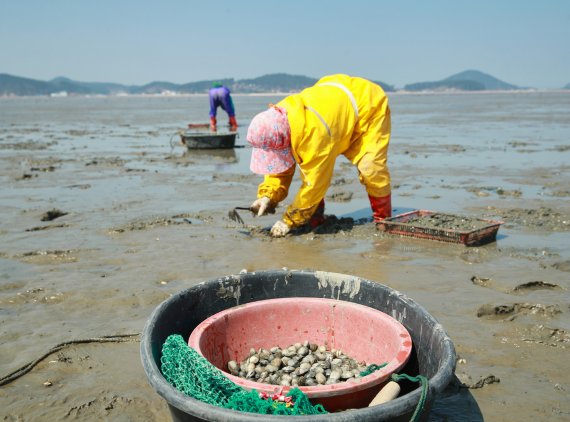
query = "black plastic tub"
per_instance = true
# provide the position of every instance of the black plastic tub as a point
(208, 140)
(433, 354)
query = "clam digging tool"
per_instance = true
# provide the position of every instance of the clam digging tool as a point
(234, 216)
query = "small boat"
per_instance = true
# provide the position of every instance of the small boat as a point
(208, 140)
(199, 136)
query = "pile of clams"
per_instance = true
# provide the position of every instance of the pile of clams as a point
(301, 364)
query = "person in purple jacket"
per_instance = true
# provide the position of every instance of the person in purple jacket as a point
(220, 97)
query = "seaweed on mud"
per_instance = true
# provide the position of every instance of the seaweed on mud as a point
(53, 214)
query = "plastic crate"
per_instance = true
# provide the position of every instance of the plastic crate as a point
(401, 225)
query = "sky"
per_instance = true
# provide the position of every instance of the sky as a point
(398, 42)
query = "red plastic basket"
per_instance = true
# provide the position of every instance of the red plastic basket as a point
(401, 225)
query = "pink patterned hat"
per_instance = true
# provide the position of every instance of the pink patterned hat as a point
(270, 136)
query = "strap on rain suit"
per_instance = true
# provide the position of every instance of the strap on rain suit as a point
(338, 115)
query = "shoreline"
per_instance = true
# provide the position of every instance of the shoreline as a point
(271, 94)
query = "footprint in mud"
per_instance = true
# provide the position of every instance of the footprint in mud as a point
(512, 311)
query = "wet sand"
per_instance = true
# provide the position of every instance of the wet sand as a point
(102, 219)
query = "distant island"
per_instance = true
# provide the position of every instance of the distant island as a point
(469, 80)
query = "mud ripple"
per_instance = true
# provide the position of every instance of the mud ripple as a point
(179, 219)
(531, 254)
(107, 161)
(340, 196)
(48, 227)
(535, 285)
(27, 145)
(104, 407)
(512, 311)
(487, 190)
(49, 257)
(519, 289)
(32, 296)
(562, 266)
(543, 218)
(536, 334)
(553, 337)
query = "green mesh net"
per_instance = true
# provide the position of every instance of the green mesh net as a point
(194, 375)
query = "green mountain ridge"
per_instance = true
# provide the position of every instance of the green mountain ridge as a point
(470, 80)
(278, 82)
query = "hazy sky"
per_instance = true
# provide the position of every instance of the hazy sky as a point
(523, 42)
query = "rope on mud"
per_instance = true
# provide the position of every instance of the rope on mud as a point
(170, 142)
(118, 338)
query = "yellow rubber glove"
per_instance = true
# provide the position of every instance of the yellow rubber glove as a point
(261, 206)
(280, 229)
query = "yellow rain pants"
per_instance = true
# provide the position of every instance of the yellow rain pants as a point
(340, 114)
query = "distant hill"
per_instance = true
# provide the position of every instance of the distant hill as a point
(13, 85)
(567, 86)
(278, 82)
(469, 80)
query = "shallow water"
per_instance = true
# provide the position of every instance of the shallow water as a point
(148, 219)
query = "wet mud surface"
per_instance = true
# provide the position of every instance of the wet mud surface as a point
(102, 220)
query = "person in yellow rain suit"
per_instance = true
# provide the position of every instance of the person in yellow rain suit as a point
(340, 114)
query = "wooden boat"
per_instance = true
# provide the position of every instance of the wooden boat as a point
(198, 138)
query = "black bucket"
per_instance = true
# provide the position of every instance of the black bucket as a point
(433, 354)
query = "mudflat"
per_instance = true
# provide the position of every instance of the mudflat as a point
(104, 215)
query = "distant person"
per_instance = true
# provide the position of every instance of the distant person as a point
(340, 114)
(220, 97)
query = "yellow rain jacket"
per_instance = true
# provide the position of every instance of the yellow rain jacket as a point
(340, 114)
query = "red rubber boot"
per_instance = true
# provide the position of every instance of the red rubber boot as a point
(233, 124)
(213, 124)
(318, 217)
(381, 207)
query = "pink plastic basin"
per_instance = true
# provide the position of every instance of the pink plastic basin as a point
(361, 332)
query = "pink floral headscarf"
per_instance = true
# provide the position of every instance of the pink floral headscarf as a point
(270, 136)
